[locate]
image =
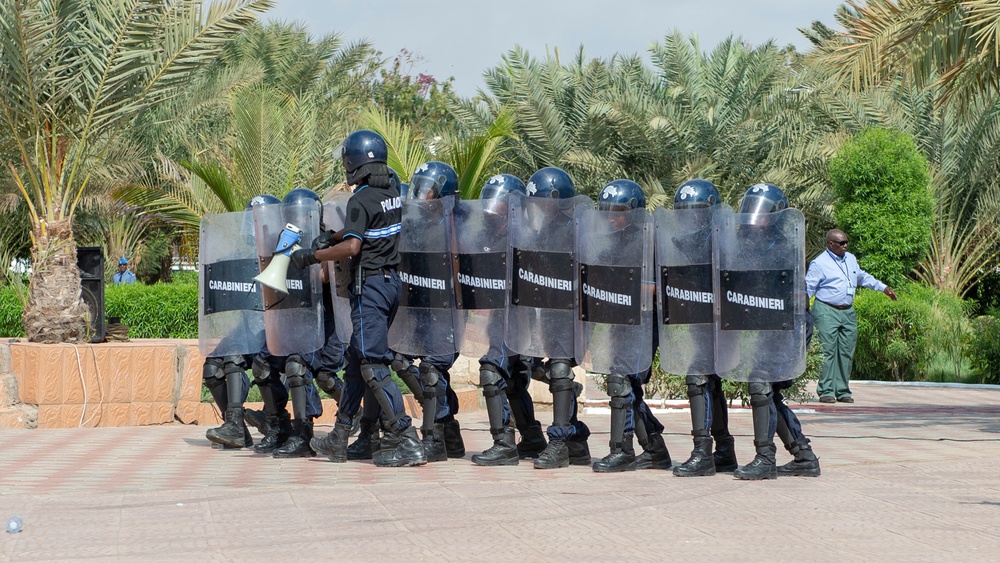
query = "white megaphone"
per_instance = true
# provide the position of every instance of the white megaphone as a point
(274, 275)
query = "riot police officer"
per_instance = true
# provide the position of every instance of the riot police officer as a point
(503, 375)
(630, 415)
(373, 222)
(709, 407)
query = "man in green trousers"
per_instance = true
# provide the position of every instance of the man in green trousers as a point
(833, 279)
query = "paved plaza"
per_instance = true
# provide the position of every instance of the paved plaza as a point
(909, 474)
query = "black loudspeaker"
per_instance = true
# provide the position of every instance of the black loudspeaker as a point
(90, 260)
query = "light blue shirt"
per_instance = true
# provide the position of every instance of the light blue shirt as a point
(834, 280)
(123, 277)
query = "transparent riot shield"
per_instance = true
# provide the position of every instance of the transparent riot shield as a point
(230, 309)
(481, 256)
(425, 321)
(339, 272)
(684, 290)
(759, 287)
(293, 320)
(542, 310)
(615, 269)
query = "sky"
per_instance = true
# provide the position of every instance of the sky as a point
(462, 38)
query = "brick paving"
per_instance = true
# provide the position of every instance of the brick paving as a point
(909, 474)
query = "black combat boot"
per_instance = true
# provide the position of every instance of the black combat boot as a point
(297, 445)
(367, 443)
(453, 439)
(257, 419)
(434, 443)
(279, 429)
(621, 458)
(805, 464)
(334, 444)
(502, 452)
(400, 448)
(233, 432)
(725, 455)
(654, 454)
(247, 442)
(555, 455)
(763, 465)
(532, 442)
(701, 463)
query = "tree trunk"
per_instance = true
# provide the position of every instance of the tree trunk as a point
(55, 313)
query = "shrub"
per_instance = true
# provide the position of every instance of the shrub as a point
(10, 314)
(155, 311)
(881, 181)
(983, 349)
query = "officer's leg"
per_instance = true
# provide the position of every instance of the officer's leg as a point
(447, 404)
(579, 449)
(334, 444)
(233, 432)
(434, 405)
(298, 378)
(214, 378)
(556, 454)
(701, 462)
(725, 444)
(331, 384)
(622, 456)
(409, 373)
(368, 434)
(763, 465)
(522, 408)
(648, 430)
(805, 462)
(274, 396)
(494, 385)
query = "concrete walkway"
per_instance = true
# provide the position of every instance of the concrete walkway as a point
(909, 474)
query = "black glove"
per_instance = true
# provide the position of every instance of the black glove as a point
(304, 257)
(324, 240)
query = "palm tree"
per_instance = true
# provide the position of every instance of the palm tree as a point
(951, 43)
(73, 76)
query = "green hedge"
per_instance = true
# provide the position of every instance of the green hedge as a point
(983, 349)
(150, 311)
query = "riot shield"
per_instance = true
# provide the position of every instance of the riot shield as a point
(481, 253)
(293, 321)
(684, 290)
(614, 253)
(339, 272)
(230, 309)
(425, 321)
(759, 293)
(541, 311)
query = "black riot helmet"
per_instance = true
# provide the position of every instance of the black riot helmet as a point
(551, 182)
(498, 189)
(362, 147)
(621, 195)
(696, 194)
(262, 199)
(762, 199)
(433, 180)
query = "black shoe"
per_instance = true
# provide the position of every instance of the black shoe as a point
(257, 419)
(434, 444)
(233, 432)
(532, 442)
(502, 452)
(247, 442)
(297, 444)
(555, 455)
(399, 449)
(762, 467)
(334, 444)
(654, 454)
(725, 456)
(367, 443)
(278, 432)
(701, 463)
(453, 439)
(579, 452)
(800, 468)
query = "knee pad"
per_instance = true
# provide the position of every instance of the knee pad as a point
(489, 375)
(296, 370)
(369, 373)
(328, 380)
(431, 377)
(400, 363)
(695, 389)
(234, 364)
(213, 369)
(618, 385)
(261, 371)
(760, 393)
(560, 370)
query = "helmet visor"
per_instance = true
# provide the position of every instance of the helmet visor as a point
(423, 187)
(758, 208)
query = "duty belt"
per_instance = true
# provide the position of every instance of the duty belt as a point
(841, 307)
(377, 271)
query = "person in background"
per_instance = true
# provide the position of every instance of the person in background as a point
(123, 275)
